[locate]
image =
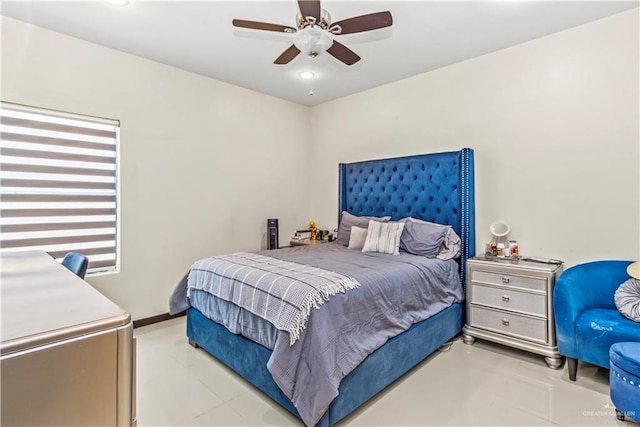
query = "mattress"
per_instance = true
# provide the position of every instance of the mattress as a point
(235, 319)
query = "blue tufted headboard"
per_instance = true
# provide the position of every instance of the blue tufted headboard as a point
(436, 187)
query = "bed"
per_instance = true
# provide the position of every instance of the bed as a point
(436, 187)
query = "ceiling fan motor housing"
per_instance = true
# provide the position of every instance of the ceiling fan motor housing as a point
(305, 21)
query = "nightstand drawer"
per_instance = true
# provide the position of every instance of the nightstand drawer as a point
(524, 282)
(509, 324)
(509, 299)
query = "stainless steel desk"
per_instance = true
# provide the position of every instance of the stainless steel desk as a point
(66, 351)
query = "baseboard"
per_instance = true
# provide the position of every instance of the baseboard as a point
(155, 319)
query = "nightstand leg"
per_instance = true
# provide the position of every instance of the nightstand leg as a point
(554, 362)
(468, 339)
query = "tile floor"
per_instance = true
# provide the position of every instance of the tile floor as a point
(479, 385)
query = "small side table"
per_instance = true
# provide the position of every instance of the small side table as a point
(511, 302)
(296, 242)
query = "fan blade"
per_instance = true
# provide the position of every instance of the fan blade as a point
(358, 24)
(310, 8)
(287, 55)
(262, 26)
(343, 53)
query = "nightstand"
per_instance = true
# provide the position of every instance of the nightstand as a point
(511, 302)
(296, 242)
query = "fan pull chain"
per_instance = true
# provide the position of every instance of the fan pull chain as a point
(313, 72)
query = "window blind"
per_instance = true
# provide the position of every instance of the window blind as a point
(58, 184)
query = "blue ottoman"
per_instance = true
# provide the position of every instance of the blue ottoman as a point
(624, 379)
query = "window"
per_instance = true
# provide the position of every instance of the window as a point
(58, 184)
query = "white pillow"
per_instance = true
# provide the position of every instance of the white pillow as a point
(383, 237)
(357, 237)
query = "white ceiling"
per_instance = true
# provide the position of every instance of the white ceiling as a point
(198, 36)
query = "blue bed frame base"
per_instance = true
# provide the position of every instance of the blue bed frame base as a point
(434, 187)
(376, 372)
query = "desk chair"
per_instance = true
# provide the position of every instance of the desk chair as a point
(77, 263)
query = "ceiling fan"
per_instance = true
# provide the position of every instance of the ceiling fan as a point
(314, 32)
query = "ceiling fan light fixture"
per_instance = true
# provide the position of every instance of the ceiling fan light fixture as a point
(312, 40)
(306, 75)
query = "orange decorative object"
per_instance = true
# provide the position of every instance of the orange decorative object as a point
(314, 231)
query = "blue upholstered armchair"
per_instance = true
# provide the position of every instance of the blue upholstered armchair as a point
(587, 320)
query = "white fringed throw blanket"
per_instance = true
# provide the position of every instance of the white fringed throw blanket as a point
(280, 292)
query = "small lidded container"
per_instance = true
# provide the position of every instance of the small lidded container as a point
(513, 248)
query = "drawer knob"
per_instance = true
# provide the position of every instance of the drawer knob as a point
(505, 298)
(505, 280)
(505, 322)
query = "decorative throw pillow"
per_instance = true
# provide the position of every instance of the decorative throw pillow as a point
(383, 237)
(348, 220)
(451, 246)
(627, 298)
(423, 238)
(358, 237)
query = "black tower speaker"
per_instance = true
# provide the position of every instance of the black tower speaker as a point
(272, 233)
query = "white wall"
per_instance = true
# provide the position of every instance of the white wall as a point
(554, 125)
(194, 181)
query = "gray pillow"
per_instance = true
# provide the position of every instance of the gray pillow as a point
(347, 221)
(627, 299)
(423, 238)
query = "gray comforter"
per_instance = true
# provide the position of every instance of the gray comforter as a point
(395, 292)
